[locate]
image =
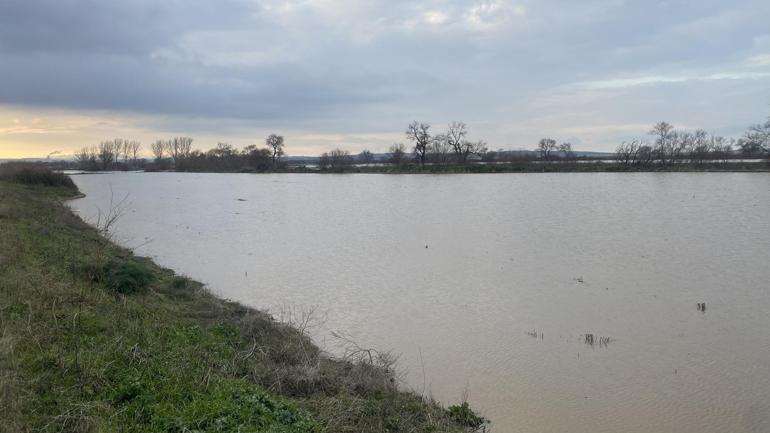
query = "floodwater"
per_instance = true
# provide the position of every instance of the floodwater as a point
(486, 285)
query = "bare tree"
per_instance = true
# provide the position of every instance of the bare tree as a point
(159, 149)
(107, 153)
(336, 160)
(681, 146)
(419, 134)
(461, 147)
(275, 143)
(86, 157)
(698, 146)
(722, 148)
(134, 148)
(456, 139)
(665, 139)
(634, 154)
(478, 147)
(81, 155)
(365, 157)
(185, 146)
(121, 149)
(757, 139)
(439, 150)
(172, 149)
(117, 149)
(546, 147)
(397, 154)
(179, 148)
(566, 151)
(625, 153)
(645, 156)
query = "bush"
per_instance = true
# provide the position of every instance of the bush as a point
(464, 415)
(126, 276)
(34, 174)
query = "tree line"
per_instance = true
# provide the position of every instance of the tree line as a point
(449, 147)
(177, 153)
(669, 146)
(109, 155)
(664, 146)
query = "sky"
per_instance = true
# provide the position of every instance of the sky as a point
(354, 73)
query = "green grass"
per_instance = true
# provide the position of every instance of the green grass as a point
(94, 339)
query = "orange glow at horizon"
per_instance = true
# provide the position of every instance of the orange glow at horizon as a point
(37, 132)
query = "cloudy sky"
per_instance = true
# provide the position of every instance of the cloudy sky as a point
(353, 73)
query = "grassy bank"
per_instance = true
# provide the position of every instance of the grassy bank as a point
(95, 339)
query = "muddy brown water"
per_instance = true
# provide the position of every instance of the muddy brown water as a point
(488, 284)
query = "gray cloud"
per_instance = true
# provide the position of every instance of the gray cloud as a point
(520, 68)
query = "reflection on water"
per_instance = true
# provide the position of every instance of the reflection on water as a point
(494, 283)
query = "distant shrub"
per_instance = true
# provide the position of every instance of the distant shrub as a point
(464, 415)
(34, 174)
(127, 276)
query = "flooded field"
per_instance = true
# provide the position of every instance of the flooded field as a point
(557, 302)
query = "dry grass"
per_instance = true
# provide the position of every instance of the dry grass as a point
(34, 174)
